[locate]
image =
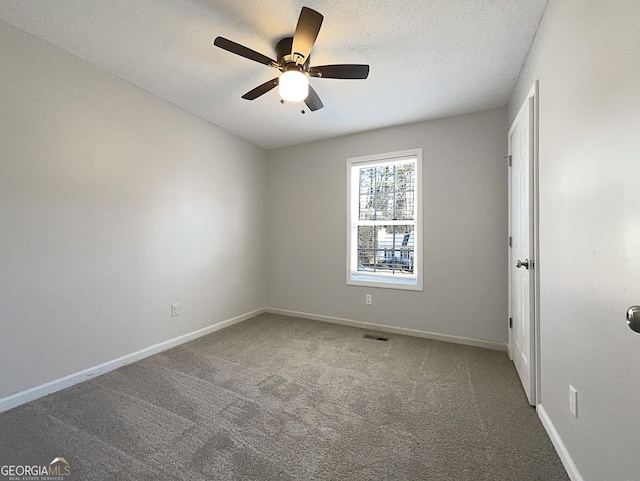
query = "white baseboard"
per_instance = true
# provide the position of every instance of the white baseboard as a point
(34, 393)
(561, 449)
(497, 346)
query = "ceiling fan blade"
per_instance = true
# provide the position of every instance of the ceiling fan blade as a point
(261, 89)
(343, 71)
(243, 51)
(307, 30)
(313, 101)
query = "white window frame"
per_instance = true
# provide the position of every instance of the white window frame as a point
(374, 279)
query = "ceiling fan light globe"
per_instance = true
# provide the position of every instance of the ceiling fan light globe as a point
(293, 86)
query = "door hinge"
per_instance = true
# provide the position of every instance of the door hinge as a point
(510, 159)
(510, 322)
(510, 241)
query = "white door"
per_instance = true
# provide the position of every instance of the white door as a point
(522, 336)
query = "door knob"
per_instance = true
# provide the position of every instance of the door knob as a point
(633, 318)
(524, 263)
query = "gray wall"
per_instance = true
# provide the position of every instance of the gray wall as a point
(113, 205)
(586, 57)
(465, 225)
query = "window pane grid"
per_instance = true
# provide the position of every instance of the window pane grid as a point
(386, 249)
(387, 192)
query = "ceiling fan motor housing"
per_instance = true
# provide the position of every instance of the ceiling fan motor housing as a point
(285, 57)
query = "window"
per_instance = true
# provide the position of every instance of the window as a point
(384, 227)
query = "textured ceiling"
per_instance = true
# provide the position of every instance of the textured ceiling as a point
(429, 58)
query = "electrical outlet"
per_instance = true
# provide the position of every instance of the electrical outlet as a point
(368, 299)
(573, 400)
(175, 309)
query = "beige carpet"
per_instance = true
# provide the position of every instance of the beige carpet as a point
(280, 398)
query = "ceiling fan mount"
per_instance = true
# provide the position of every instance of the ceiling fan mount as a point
(293, 54)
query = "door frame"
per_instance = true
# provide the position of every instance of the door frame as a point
(534, 239)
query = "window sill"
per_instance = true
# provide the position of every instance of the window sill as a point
(384, 283)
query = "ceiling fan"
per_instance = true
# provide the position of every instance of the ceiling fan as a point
(293, 61)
